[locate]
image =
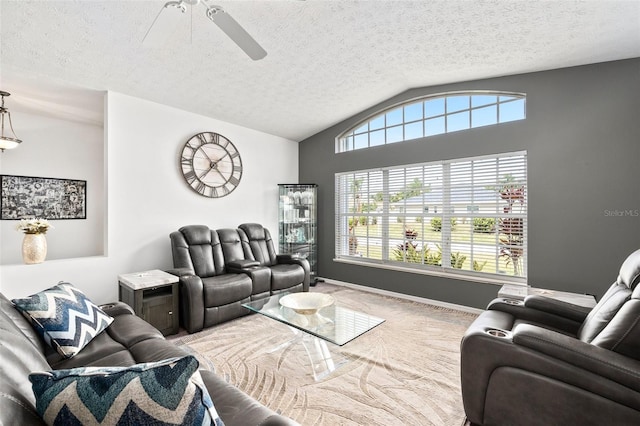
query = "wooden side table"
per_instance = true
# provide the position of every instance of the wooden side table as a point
(519, 292)
(153, 295)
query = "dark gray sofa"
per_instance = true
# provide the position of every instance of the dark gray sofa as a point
(288, 273)
(219, 270)
(128, 340)
(542, 361)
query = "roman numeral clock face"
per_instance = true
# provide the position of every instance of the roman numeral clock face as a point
(211, 165)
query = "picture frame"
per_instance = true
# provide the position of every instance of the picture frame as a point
(42, 197)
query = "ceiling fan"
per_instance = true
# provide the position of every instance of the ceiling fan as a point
(173, 11)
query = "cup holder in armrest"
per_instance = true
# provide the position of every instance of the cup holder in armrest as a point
(498, 333)
(107, 306)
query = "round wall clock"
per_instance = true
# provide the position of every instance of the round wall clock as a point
(211, 164)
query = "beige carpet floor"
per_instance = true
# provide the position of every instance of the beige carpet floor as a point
(403, 372)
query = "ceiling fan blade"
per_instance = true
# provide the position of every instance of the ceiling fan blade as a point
(165, 24)
(236, 33)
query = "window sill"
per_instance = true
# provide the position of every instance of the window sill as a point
(445, 274)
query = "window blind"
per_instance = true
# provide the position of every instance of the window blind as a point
(463, 215)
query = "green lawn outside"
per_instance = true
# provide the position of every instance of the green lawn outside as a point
(462, 234)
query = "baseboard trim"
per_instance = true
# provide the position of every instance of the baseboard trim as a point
(404, 296)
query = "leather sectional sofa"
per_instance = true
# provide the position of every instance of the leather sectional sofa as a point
(221, 269)
(127, 341)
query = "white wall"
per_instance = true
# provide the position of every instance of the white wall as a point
(148, 198)
(58, 148)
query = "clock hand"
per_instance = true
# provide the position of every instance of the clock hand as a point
(205, 173)
(223, 176)
(212, 165)
(207, 155)
(212, 160)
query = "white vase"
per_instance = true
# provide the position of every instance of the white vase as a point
(34, 248)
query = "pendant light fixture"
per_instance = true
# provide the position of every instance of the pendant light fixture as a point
(8, 138)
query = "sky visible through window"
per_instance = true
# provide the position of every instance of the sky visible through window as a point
(433, 116)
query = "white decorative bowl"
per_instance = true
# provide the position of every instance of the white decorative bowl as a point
(307, 303)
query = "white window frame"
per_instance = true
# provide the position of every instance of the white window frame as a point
(378, 182)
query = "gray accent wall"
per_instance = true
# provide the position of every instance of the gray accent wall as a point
(582, 136)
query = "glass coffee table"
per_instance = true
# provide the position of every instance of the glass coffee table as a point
(335, 324)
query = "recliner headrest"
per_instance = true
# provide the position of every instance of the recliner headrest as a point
(228, 235)
(196, 234)
(630, 271)
(254, 231)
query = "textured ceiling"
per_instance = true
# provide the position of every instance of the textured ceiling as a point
(327, 60)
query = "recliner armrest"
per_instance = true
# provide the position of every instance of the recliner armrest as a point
(287, 257)
(557, 307)
(191, 303)
(117, 308)
(179, 272)
(521, 311)
(600, 361)
(240, 264)
(297, 260)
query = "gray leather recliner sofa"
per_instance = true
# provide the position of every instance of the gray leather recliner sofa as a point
(127, 341)
(219, 270)
(288, 273)
(547, 362)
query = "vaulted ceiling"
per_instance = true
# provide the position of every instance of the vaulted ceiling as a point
(326, 60)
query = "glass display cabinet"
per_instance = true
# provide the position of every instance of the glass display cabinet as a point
(298, 222)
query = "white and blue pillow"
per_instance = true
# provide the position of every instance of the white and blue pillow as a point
(65, 318)
(160, 393)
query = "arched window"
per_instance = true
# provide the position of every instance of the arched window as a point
(433, 115)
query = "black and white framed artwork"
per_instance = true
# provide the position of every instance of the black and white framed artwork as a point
(47, 198)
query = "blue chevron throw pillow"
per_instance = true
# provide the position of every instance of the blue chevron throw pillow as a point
(169, 392)
(65, 318)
